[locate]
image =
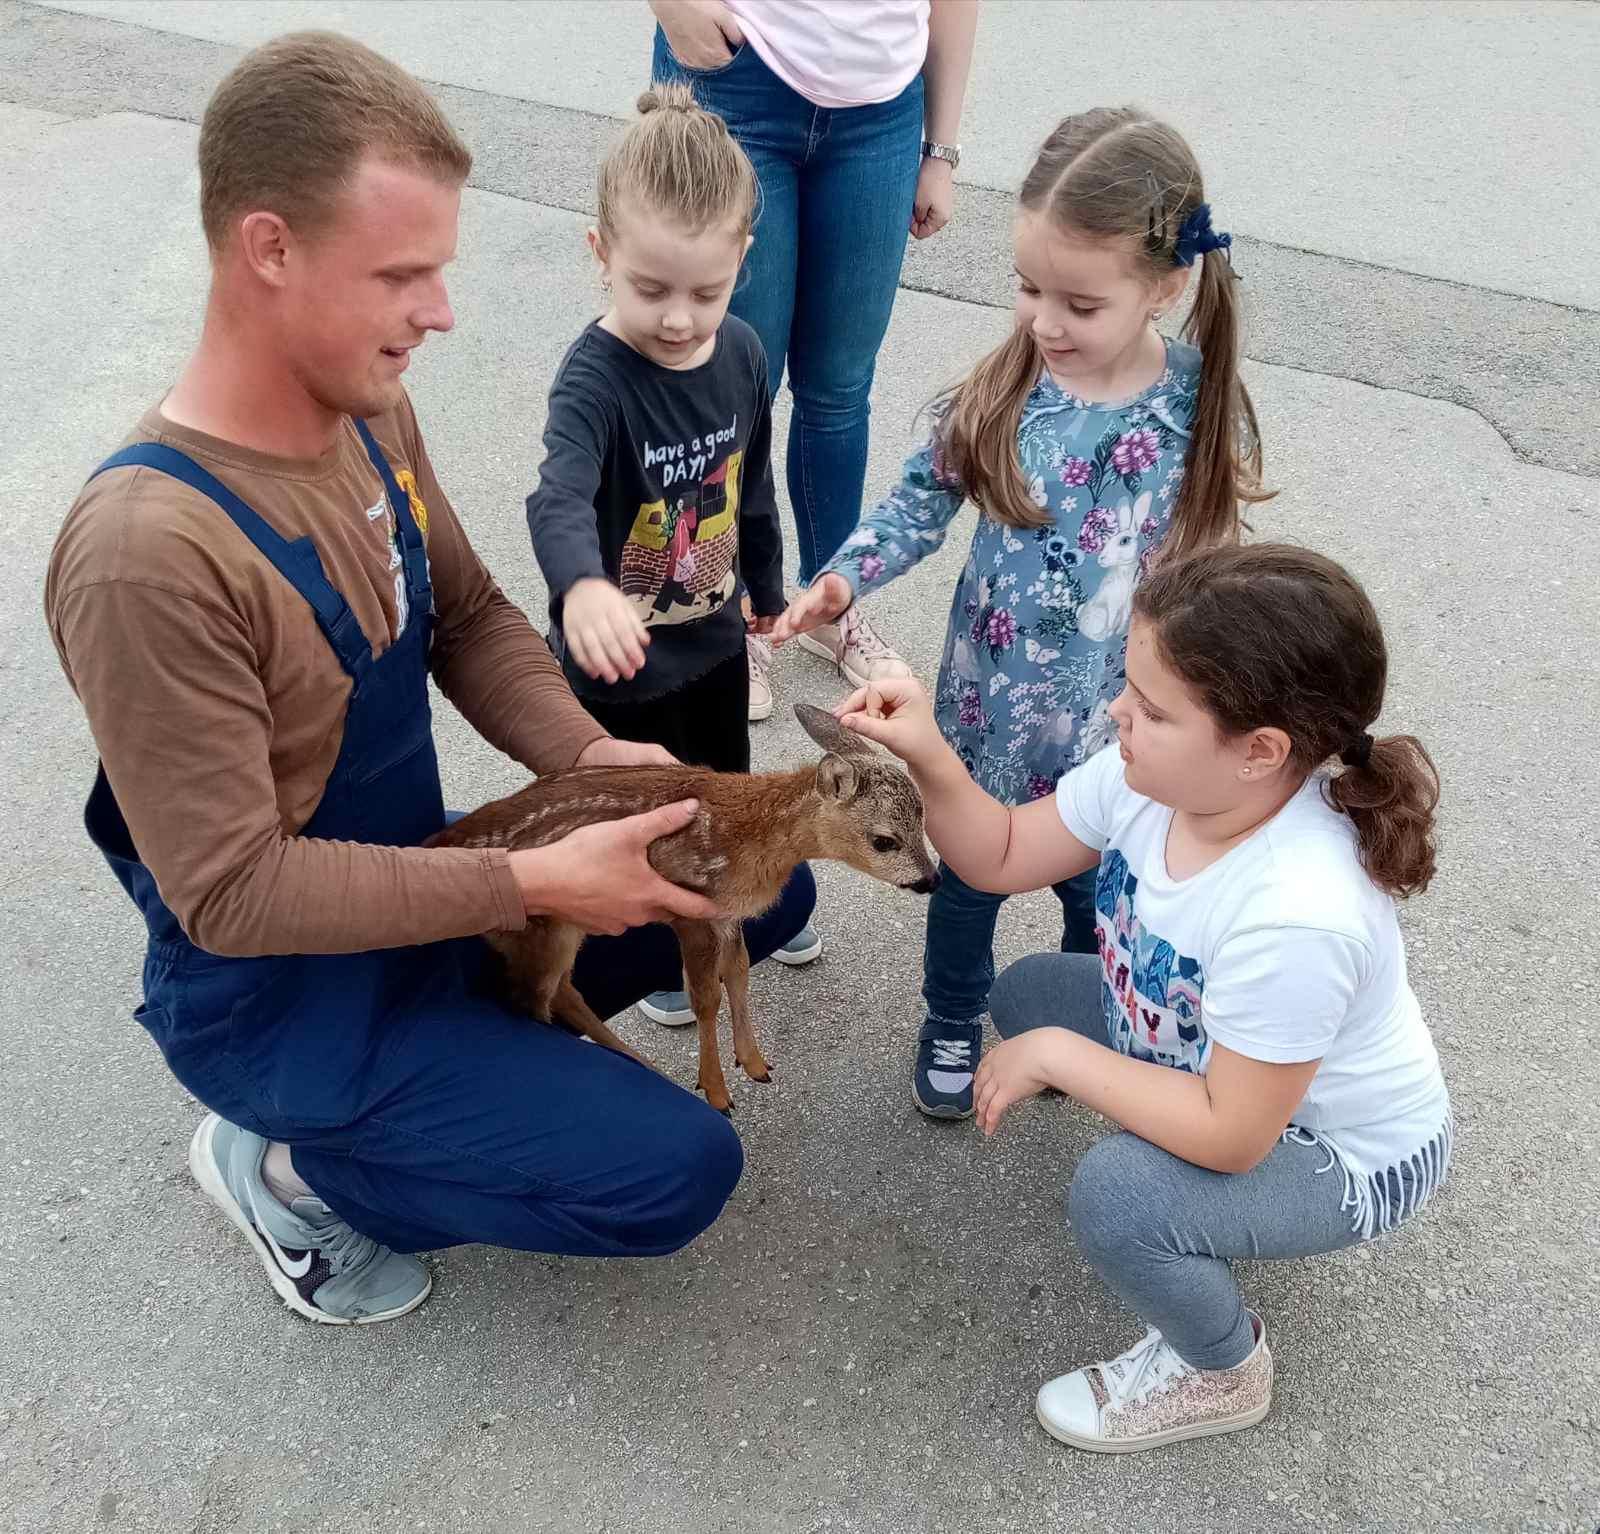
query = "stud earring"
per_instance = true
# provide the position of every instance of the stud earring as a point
(1246, 771)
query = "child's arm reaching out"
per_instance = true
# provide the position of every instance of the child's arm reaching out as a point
(909, 524)
(1004, 851)
(1226, 1120)
(602, 629)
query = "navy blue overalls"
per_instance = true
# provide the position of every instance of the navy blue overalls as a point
(420, 1109)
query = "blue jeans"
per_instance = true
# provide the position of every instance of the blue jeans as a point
(958, 962)
(478, 1124)
(837, 188)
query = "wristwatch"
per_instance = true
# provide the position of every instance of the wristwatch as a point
(950, 152)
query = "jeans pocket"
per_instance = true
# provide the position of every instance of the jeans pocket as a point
(710, 72)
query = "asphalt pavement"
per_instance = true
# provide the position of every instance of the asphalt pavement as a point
(856, 1344)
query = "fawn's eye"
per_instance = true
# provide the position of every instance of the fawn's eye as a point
(885, 844)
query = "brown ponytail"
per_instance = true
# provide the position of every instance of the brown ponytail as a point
(1219, 469)
(1116, 173)
(1392, 797)
(1270, 635)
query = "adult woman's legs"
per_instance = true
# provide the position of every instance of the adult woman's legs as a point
(857, 187)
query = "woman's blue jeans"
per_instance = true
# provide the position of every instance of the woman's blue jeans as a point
(837, 187)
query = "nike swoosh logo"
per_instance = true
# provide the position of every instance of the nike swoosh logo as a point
(296, 1267)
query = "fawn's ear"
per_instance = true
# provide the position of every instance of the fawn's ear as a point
(828, 733)
(837, 777)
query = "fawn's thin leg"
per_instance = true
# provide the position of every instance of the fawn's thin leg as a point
(568, 1008)
(698, 942)
(538, 979)
(532, 964)
(736, 976)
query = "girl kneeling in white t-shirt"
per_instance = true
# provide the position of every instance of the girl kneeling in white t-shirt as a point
(1247, 1019)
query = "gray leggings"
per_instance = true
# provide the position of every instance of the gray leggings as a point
(1157, 1229)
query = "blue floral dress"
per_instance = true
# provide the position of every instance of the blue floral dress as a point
(1038, 634)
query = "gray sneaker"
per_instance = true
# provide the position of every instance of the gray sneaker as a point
(672, 1009)
(321, 1267)
(802, 948)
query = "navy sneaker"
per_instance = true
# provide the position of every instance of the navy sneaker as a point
(319, 1266)
(947, 1056)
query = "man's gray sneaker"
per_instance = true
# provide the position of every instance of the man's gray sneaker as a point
(802, 948)
(320, 1266)
(672, 1009)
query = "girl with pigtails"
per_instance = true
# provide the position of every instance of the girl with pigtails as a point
(1247, 1022)
(1088, 441)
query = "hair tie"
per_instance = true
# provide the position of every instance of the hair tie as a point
(1358, 753)
(1197, 237)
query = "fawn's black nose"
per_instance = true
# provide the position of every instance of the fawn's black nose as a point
(925, 886)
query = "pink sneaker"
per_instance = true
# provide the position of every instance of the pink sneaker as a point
(856, 648)
(758, 656)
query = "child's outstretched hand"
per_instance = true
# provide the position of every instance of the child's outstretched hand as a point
(1012, 1070)
(603, 629)
(895, 712)
(821, 602)
(760, 623)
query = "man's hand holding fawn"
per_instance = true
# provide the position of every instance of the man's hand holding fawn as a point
(821, 602)
(603, 630)
(599, 877)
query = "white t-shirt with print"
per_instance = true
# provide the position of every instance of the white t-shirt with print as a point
(1282, 950)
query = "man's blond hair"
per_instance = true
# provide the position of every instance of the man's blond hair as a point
(286, 129)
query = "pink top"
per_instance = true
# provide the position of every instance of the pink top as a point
(838, 53)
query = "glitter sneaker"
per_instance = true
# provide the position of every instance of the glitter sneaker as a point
(1150, 1396)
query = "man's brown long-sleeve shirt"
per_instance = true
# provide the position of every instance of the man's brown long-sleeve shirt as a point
(218, 706)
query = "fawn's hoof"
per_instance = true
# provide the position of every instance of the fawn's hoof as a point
(718, 1100)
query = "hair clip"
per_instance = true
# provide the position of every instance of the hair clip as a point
(1197, 237)
(1155, 239)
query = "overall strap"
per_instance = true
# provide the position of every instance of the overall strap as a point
(412, 553)
(295, 560)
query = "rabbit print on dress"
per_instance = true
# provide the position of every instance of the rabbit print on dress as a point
(1110, 609)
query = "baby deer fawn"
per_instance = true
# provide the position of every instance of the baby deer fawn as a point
(856, 806)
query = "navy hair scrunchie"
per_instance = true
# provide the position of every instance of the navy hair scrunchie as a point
(1197, 237)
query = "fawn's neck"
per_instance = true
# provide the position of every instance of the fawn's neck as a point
(784, 815)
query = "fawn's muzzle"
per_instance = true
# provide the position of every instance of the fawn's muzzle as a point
(923, 886)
